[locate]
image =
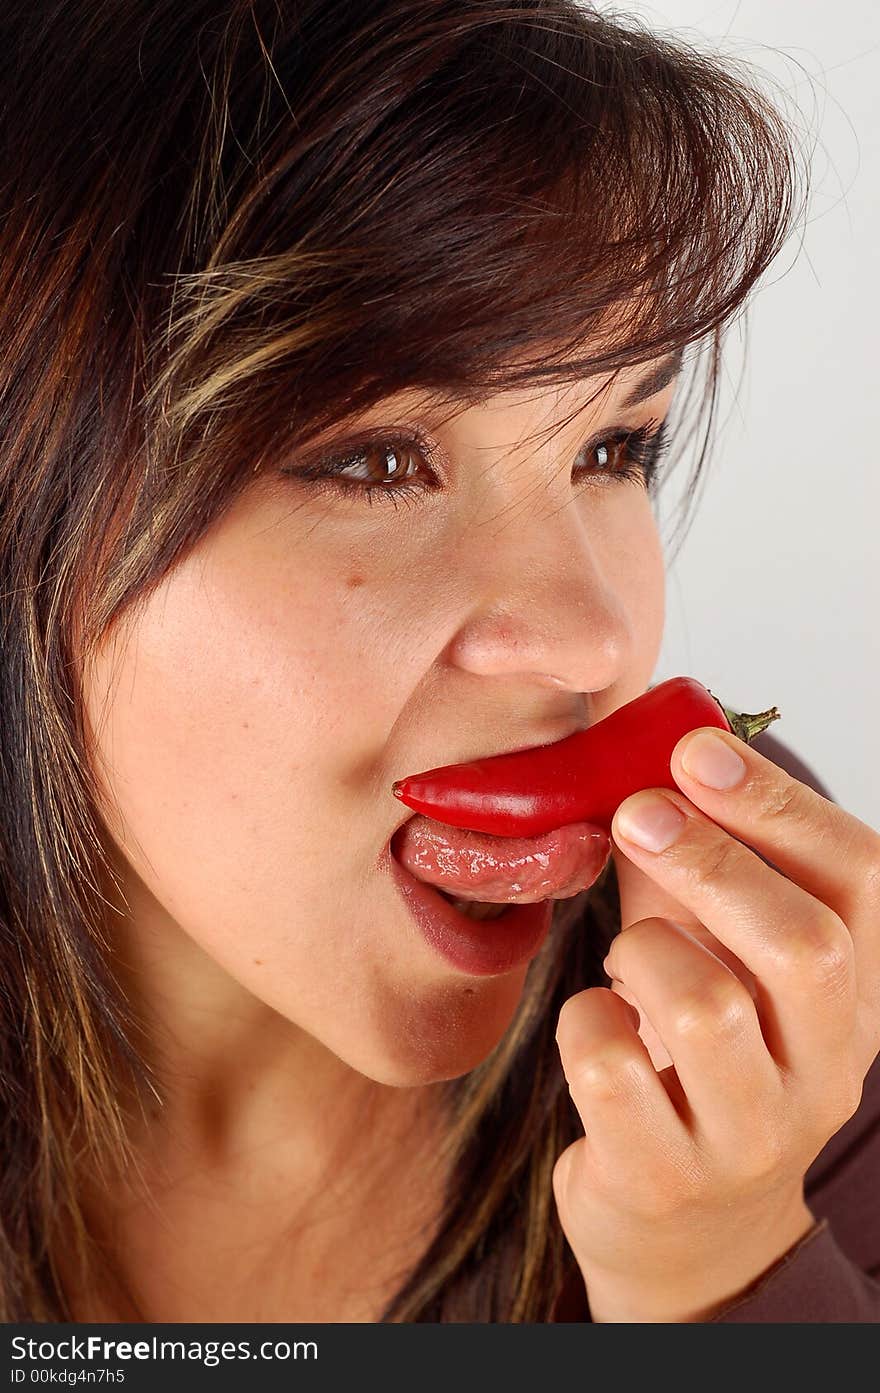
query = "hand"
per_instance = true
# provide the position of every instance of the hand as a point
(760, 999)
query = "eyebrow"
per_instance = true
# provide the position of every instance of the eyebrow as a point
(654, 381)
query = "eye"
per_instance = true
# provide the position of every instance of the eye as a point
(381, 466)
(387, 466)
(633, 455)
(392, 465)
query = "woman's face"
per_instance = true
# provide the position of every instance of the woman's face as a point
(313, 648)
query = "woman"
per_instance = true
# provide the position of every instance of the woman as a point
(269, 268)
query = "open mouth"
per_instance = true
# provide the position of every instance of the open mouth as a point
(457, 864)
(531, 874)
(476, 909)
(463, 932)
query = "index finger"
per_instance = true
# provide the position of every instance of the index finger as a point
(815, 843)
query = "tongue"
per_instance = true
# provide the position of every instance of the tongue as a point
(502, 870)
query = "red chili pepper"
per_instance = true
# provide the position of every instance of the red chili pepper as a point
(582, 778)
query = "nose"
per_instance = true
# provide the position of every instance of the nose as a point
(545, 611)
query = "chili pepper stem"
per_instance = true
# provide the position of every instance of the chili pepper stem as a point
(747, 727)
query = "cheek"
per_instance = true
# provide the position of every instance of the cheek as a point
(630, 554)
(236, 721)
(261, 680)
(225, 736)
(240, 723)
(646, 573)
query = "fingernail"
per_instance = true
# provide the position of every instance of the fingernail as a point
(710, 760)
(650, 821)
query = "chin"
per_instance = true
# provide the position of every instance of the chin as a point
(441, 1034)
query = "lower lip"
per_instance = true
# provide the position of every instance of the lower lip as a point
(479, 947)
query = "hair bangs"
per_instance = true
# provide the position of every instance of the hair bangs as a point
(519, 198)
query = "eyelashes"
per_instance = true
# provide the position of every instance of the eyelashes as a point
(623, 456)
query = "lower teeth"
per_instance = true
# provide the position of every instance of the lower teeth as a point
(474, 909)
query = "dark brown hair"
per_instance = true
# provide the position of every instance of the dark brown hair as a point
(226, 226)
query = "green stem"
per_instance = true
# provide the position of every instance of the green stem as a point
(747, 726)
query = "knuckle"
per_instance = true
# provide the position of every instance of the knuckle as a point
(872, 884)
(780, 800)
(667, 1190)
(845, 1100)
(826, 1111)
(821, 953)
(570, 1017)
(655, 1202)
(763, 1157)
(630, 940)
(718, 1011)
(715, 866)
(851, 1097)
(561, 1178)
(604, 1076)
(563, 1018)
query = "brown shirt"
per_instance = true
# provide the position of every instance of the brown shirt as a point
(833, 1273)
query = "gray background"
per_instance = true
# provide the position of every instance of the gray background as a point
(773, 597)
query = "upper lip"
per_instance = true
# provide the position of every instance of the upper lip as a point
(512, 747)
(398, 826)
